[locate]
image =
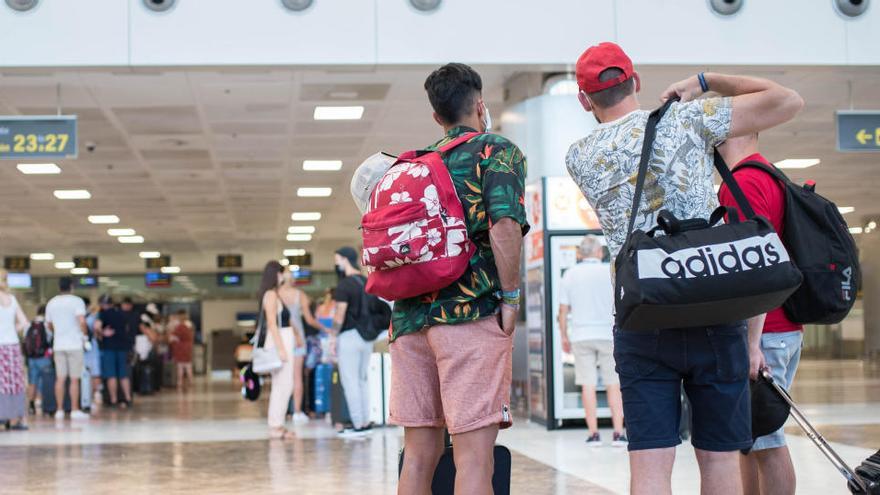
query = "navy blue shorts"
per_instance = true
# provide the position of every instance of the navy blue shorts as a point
(713, 365)
(114, 364)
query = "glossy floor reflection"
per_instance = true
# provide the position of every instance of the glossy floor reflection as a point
(212, 442)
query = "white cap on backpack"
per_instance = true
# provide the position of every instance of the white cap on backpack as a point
(367, 176)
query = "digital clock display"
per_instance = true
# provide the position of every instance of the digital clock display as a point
(38, 136)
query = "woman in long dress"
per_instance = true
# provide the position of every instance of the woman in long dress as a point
(12, 383)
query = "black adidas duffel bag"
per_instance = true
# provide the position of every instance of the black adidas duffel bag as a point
(701, 272)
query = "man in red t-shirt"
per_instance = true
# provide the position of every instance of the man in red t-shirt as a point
(768, 467)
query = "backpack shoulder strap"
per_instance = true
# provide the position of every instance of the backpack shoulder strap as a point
(769, 169)
(457, 141)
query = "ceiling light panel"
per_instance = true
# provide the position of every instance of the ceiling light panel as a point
(314, 192)
(72, 194)
(301, 229)
(131, 239)
(148, 255)
(121, 232)
(65, 265)
(170, 269)
(294, 252)
(103, 219)
(322, 165)
(299, 237)
(338, 113)
(79, 271)
(798, 163)
(845, 209)
(42, 256)
(305, 216)
(38, 168)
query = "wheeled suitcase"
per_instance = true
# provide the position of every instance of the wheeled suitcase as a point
(338, 406)
(145, 378)
(323, 383)
(444, 474)
(47, 391)
(864, 480)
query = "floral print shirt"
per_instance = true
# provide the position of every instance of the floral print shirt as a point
(489, 176)
(605, 165)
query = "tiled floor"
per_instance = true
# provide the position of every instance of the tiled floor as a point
(212, 442)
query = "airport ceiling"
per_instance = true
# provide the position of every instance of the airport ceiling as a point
(208, 161)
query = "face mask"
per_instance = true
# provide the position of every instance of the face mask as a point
(487, 119)
(340, 272)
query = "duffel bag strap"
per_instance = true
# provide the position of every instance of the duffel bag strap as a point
(647, 146)
(727, 178)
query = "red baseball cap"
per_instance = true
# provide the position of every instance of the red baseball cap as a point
(596, 59)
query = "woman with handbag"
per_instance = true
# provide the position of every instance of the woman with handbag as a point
(299, 308)
(274, 347)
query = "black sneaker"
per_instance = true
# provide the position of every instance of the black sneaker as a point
(32, 410)
(594, 440)
(620, 440)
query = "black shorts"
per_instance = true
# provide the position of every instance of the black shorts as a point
(713, 365)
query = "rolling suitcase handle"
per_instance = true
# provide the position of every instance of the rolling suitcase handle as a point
(854, 480)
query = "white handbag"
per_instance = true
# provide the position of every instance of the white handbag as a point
(265, 359)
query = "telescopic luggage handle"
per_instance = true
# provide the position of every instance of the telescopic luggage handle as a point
(855, 481)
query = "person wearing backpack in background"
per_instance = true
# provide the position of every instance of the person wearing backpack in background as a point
(451, 349)
(711, 362)
(38, 351)
(767, 469)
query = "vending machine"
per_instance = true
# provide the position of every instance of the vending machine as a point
(560, 217)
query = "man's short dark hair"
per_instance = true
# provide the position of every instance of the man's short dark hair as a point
(615, 94)
(452, 90)
(64, 284)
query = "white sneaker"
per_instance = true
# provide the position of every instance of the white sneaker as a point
(300, 418)
(59, 414)
(79, 415)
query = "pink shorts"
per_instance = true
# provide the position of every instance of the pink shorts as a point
(457, 376)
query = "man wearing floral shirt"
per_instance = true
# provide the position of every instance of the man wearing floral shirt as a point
(451, 351)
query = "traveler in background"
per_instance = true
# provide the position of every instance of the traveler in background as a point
(451, 351)
(586, 321)
(279, 335)
(38, 351)
(711, 362)
(776, 341)
(324, 311)
(111, 329)
(12, 384)
(352, 351)
(66, 318)
(182, 338)
(139, 342)
(92, 356)
(299, 307)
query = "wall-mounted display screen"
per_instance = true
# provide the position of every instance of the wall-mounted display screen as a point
(85, 281)
(156, 280)
(19, 280)
(230, 279)
(229, 261)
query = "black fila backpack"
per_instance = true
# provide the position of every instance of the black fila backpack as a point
(700, 272)
(819, 243)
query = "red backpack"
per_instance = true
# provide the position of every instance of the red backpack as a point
(414, 231)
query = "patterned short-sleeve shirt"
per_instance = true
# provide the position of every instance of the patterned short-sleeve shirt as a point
(489, 175)
(605, 165)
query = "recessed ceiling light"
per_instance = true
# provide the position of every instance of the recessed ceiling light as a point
(119, 232)
(314, 192)
(72, 194)
(170, 269)
(99, 219)
(294, 268)
(872, 225)
(845, 209)
(294, 252)
(299, 237)
(284, 261)
(306, 216)
(149, 255)
(131, 239)
(856, 230)
(79, 271)
(338, 113)
(64, 265)
(301, 229)
(38, 168)
(42, 256)
(798, 163)
(322, 165)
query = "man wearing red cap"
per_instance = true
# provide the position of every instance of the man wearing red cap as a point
(711, 363)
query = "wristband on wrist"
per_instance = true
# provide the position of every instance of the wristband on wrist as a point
(510, 297)
(703, 84)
